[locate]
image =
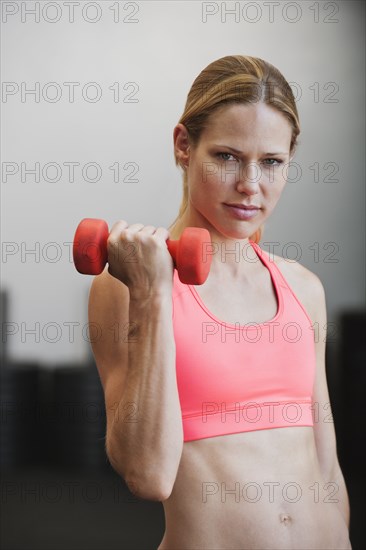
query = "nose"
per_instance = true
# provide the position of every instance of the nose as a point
(249, 178)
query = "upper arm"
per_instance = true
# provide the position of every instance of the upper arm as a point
(108, 313)
(324, 432)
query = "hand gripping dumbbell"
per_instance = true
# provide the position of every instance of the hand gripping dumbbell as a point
(91, 255)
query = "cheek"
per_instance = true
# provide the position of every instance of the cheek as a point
(272, 192)
(200, 194)
(207, 183)
(274, 179)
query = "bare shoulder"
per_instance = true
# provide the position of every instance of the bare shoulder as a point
(305, 284)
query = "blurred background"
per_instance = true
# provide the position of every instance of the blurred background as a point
(91, 92)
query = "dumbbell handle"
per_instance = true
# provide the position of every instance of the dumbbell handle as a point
(91, 254)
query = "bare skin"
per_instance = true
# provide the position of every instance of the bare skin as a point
(281, 500)
(280, 475)
(200, 512)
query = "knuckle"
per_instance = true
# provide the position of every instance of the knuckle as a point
(110, 241)
(129, 234)
(118, 225)
(163, 232)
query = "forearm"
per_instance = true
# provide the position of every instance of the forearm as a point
(148, 447)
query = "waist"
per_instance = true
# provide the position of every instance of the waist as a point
(260, 489)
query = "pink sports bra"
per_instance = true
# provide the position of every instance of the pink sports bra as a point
(235, 378)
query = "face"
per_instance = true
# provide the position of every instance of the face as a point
(254, 174)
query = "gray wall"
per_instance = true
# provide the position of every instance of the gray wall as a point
(161, 47)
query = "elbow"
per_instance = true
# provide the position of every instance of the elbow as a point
(149, 489)
(142, 481)
(146, 487)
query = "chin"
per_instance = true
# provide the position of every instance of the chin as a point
(243, 233)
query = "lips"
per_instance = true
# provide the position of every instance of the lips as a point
(242, 212)
(243, 206)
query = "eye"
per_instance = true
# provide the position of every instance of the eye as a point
(220, 155)
(277, 161)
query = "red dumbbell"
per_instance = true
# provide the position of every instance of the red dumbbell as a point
(91, 255)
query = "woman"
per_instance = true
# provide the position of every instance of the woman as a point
(200, 381)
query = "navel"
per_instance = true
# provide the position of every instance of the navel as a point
(285, 519)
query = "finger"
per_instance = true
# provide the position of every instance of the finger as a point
(119, 226)
(148, 229)
(135, 227)
(162, 233)
(122, 227)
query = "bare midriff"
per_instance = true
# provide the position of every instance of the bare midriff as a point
(255, 490)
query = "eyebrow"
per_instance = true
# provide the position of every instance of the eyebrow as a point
(240, 152)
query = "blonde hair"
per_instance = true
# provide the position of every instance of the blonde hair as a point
(228, 80)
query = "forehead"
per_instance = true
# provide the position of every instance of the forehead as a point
(253, 121)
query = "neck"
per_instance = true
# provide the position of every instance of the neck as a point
(232, 258)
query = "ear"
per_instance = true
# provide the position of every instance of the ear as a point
(181, 144)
